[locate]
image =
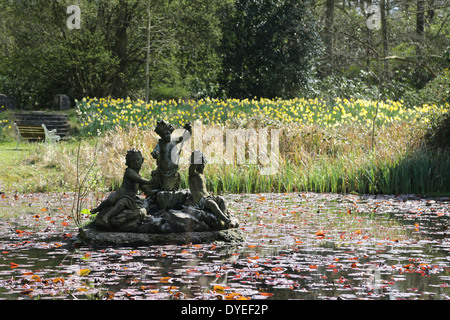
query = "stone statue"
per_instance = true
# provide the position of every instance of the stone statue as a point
(166, 176)
(125, 195)
(197, 186)
(168, 214)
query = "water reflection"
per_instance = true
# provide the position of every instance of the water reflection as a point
(298, 246)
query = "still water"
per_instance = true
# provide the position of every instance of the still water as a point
(298, 246)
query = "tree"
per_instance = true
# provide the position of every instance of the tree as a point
(384, 36)
(270, 48)
(47, 58)
(328, 37)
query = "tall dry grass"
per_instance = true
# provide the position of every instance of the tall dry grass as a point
(312, 158)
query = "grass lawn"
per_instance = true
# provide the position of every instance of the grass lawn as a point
(21, 173)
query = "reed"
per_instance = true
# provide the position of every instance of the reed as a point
(339, 159)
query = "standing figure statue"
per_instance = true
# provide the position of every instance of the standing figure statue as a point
(125, 196)
(197, 186)
(166, 176)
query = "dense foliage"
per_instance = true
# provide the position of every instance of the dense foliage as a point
(270, 50)
(163, 49)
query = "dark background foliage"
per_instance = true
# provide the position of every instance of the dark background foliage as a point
(163, 49)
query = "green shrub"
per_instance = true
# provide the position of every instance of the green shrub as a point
(437, 91)
(166, 92)
(437, 136)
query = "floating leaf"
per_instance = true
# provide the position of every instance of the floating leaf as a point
(320, 233)
(35, 278)
(266, 294)
(165, 279)
(219, 289)
(58, 280)
(85, 211)
(26, 292)
(83, 272)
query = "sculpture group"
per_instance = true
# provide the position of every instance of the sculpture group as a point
(166, 209)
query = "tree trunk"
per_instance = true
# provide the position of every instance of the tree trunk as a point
(328, 38)
(384, 34)
(369, 40)
(430, 12)
(420, 25)
(147, 60)
(420, 17)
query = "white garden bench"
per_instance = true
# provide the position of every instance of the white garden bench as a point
(35, 133)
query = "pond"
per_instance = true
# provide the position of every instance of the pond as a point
(298, 246)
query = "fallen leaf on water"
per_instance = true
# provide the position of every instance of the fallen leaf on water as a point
(165, 279)
(83, 272)
(35, 278)
(26, 292)
(266, 294)
(320, 233)
(58, 280)
(235, 296)
(171, 288)
(278, 269)
(219, 289)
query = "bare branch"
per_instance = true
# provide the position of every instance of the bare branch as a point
(417, 63)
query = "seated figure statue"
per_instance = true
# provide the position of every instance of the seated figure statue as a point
(197, 186)
(125, 196)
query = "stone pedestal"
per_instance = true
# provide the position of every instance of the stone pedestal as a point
(96, 237)
(166, 217)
